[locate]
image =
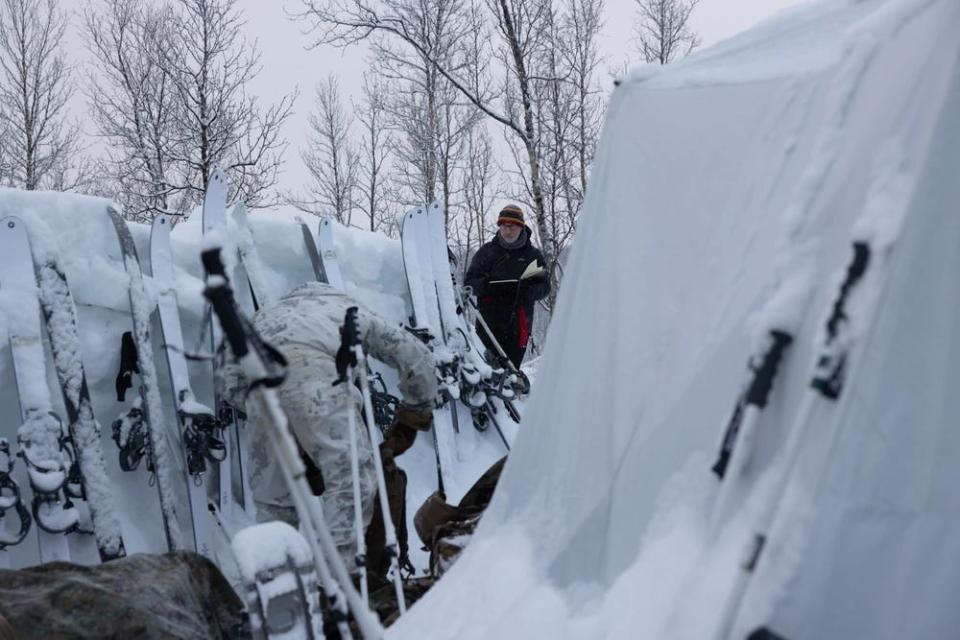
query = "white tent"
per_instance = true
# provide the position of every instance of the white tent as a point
(724, 200)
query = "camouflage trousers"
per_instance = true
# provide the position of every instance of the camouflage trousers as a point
(317, 413)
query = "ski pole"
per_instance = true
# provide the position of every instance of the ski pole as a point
(361, 556)
(357, 367)
(737, 445)
(507, 362)
(829, 374)
(491, 413)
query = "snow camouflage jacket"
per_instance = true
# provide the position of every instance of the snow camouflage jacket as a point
(507, 308)
(305, 325)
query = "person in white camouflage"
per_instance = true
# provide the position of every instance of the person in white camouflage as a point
(304, 326)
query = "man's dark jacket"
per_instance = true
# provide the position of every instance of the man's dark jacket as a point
(507, 307)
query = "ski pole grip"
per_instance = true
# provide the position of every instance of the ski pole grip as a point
(759, 391)
(221, 299)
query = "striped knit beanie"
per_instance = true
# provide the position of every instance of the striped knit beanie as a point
(511, 214)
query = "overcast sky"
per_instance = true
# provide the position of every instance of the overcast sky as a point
(287, 63)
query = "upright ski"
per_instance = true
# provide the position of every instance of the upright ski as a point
(479, 382)
(215, 225)
(250, 257)
(152, 408)
(426, 315)
(41, 442)
(328, 254)
(60, 314)
(199, 436)
(313, 253)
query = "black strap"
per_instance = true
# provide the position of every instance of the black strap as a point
(128, 365)
(349, 338)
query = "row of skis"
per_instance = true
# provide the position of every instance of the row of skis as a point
(55, 492)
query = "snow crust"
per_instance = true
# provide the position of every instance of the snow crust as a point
(726, 195)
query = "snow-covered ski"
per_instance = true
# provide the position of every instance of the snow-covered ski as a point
(278, 571)
(478, 381)
(40, 436)
(328, 254)
(235, 433)
(250, 257)
(199, 436)
(60, 315)
(426, 315)
(313, 252)
(152, 407)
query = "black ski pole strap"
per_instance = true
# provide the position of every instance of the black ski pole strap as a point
(274, 361)
(349, 338)
(237, 330)
(128, 365)
(220, 295)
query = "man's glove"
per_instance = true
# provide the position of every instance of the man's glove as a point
(416, 419)
(401, 434)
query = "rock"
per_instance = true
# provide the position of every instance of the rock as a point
(177, 595)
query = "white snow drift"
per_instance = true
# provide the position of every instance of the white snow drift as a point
(726, 195)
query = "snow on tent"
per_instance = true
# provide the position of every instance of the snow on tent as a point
(726, 201)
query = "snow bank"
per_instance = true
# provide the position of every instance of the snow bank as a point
(726, 194)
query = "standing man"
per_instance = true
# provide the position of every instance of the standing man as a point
(508, 276)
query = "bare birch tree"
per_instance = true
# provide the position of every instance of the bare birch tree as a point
(568, 107)
(663, 30)
(479, 191)
(132, 105)
(170, 90)
(210, 64)
(330, 157)
(372, 185)
(428, 115)
(514, 36)
(41, 149)
(5, 168)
